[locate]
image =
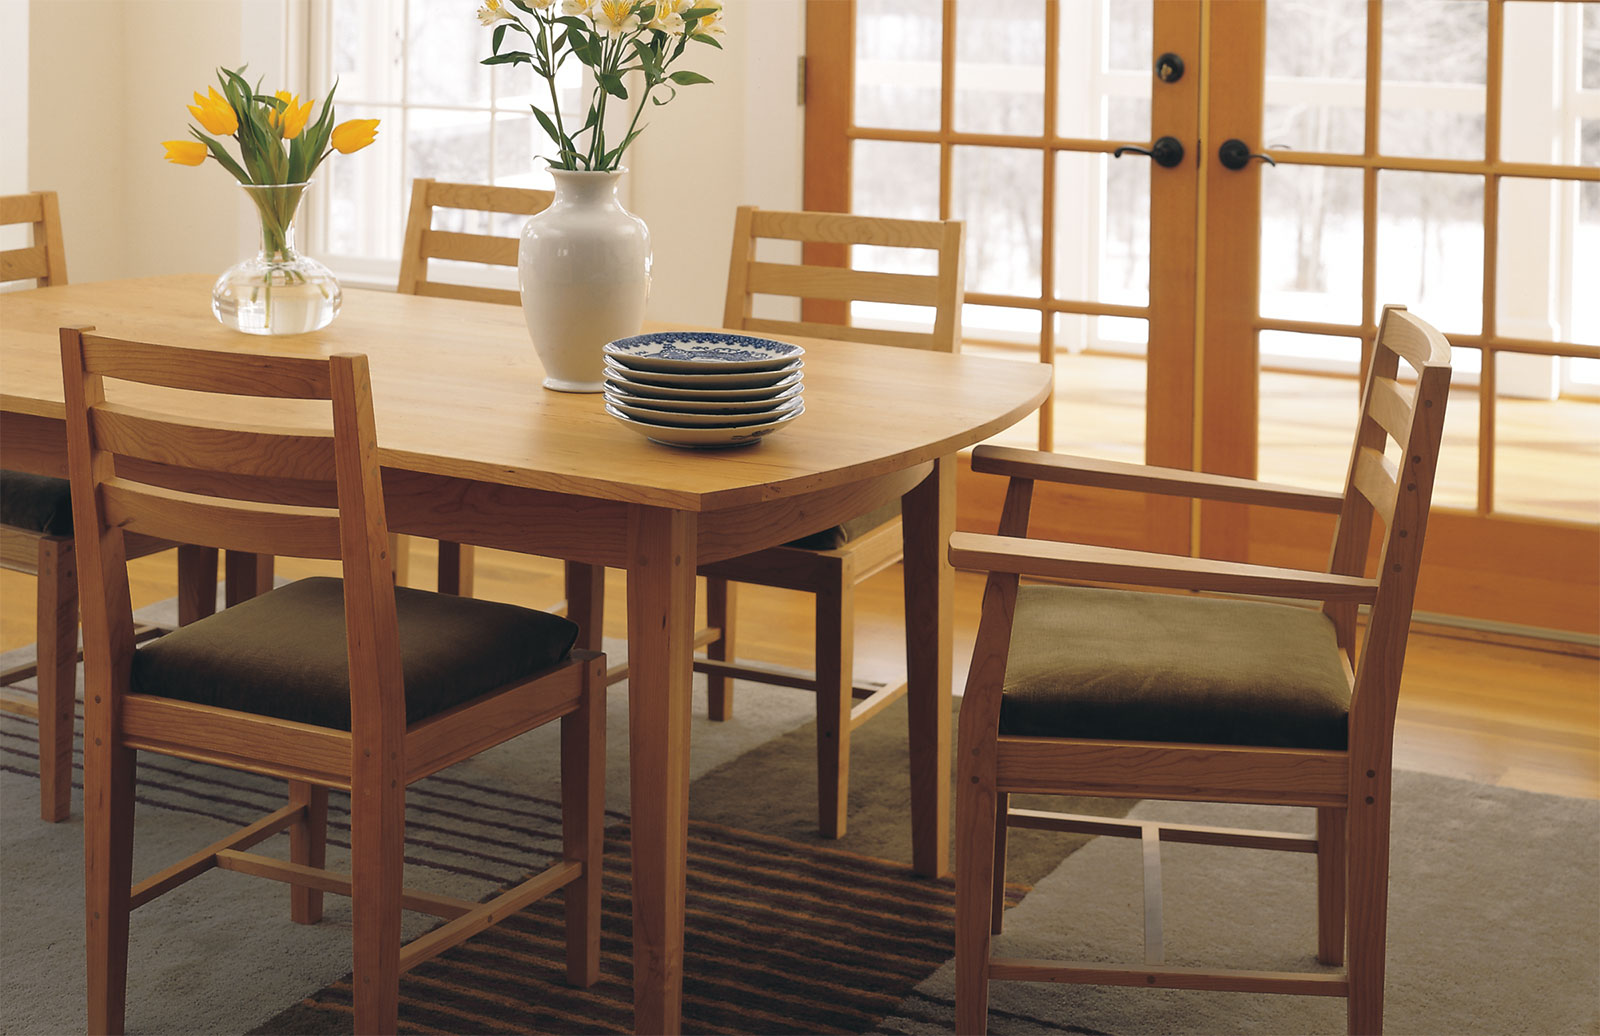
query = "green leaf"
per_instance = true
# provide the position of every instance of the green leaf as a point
(687, 78)
(549, 127)
(510, 57)
(612, 85)
(499, 35)
(701, 37)
(648, 60)
(524, 6)
(220, 153)
(697, 13)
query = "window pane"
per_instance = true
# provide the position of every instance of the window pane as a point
(1430, 247)
(447, 145)
(367, 199)
(1316, 74)
(1308, 421)
(1591, 46)
(1103, 70)
(1311, 244)
(1586, 245)
(1434, 61)
(998, 192)
(1455, 484)
(1532, 80)
(897, 64)
(1102, 229)
(1100, 402)
(444, 48)
(366, 41)
(999, 74)
(1547, 454)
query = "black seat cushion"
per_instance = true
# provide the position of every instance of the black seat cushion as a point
(1125, 666)
(282, 654)
(837, 536)
(37, 503)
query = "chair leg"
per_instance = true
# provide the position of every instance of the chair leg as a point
(977, 812)
(721, 605)
(377, 847)
(57, 674)
(247, 576)
(197, 582)
(583, 800)
(108, 781)
(586, 602)
(455, 569)
(1002, 802)
(1330, 885)
(308, 846)
(835, 671)
(1367, 834)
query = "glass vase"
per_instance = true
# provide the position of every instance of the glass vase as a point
(277, 291)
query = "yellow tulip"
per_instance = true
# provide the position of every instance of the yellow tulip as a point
(215, 114)
(184, 152)
(292, 119)
(354, 135)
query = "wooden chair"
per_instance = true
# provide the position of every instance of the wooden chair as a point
(271, 687)
(1081, 691)
(830, 563)
(36, 539)
(424, 243)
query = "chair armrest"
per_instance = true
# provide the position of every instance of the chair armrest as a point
(1110, 474)
(1077, 561)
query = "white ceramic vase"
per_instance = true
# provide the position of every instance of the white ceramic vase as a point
(584, 270)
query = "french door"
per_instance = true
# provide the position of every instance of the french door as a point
(1206, 308)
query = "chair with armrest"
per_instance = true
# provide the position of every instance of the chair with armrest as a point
(353, 684)
(832, 561)
(423, 243)
(36, 539)
(1112, 692)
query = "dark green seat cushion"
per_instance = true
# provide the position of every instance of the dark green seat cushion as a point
(837, 536)
(37, 503)
(282, 654)
(1125, 666)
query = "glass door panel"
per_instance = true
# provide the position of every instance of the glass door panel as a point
(897, 64)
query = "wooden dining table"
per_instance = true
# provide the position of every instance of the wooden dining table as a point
(475, 451)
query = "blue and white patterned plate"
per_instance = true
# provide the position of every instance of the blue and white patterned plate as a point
(702, 351)
(620, 382)
(703, 377)
(686, 419)
(704, 438)
(616, 393)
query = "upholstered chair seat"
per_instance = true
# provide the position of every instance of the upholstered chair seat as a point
(37, 503)
(853, 529)
(283, 654)
(1115, 665)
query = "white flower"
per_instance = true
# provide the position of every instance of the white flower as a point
(494, 11)
(615, 17)
(668, 16)
(709, 24)
(574, 8)
(540, 4)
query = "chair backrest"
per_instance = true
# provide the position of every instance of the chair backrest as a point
(1399, 495)
(424, 243)
(45, 260)
(292, 480)
(941, 290)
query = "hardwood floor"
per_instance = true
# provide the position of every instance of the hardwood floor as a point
(1521, 715)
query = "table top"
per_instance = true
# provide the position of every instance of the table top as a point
(456, 391)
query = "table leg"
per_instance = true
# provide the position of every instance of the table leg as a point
(586, 603)
(246, 576)
(661, 552)
(929, 518)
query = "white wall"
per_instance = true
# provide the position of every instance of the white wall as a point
(14, 117)
(734, 142)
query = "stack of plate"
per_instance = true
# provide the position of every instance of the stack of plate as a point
(703, 389)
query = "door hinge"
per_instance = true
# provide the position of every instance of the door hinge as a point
(800, 80)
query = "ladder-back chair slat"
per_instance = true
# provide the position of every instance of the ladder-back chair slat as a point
(44, 260)
(285, 531)
(827, 282)
(470, 248)
(518, 201)
(468, 293)
(1375, 478)
(846, 229)
(204, 370)
(231, 484)
(1390, 406)
(837, 333)
(212, 445)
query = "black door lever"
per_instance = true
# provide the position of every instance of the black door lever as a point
(1236, 154)
(1165, 152)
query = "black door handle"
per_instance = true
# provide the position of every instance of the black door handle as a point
(1236, 154)
(1165, 152)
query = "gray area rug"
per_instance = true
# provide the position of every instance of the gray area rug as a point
(1494, 902)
